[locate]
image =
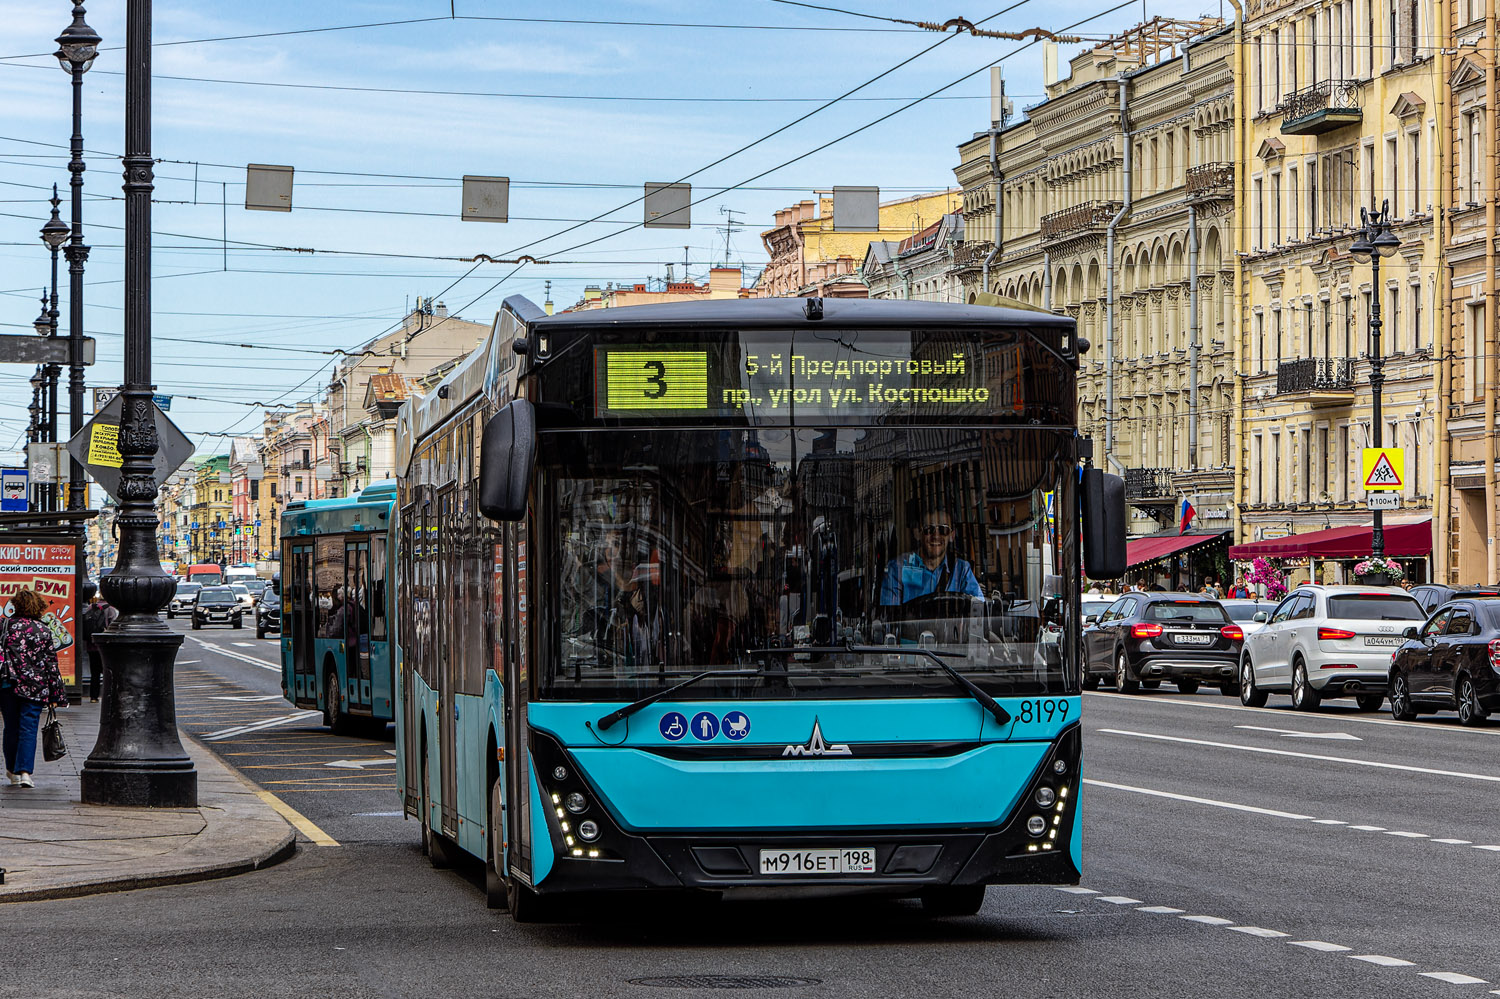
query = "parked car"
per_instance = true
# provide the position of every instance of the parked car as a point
(1150, 637)
(1328, 641)
(217, 605)
(1450, 663)
(184, 599)
(1433, 595)
(1250, 614)
(267, 613)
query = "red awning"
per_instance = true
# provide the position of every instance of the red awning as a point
(1140, 551)
(1401, 541)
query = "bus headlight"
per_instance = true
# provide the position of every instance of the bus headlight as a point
(1036, 825)
(576, 803)
(588, 830)
(1045, 796)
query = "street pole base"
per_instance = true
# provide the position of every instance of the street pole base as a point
(135, 784)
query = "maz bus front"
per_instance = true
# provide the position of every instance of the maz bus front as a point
(746, 595)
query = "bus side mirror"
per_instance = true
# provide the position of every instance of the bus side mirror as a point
(276, 584)
(1103, 524)
(507, 453)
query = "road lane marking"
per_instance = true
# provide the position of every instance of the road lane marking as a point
(247, 698)
(1207, 920)
(1071, 890)
(1118, 900)
(1215, 705)
(378, 815)
(1493, 849)
(262, 663)
(1455, 842)
(361, 764)
(1330, 822)
(1368, 828)
(1293, 733)
(245, 645)
(1405, 835)
(1382, 960)
(1274, 813)
(1453, 978)
(1431, 771)
(1163, 910)
(262, 724)
(1259, 931)
(1319, 945)
(300, 822)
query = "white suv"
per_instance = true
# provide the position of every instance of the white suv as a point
(1328, 641)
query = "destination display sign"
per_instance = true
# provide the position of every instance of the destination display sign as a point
(776, 378)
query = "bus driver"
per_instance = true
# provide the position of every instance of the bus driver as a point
(932, 568)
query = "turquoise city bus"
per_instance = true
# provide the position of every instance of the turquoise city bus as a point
(747, 596)
(336, 614)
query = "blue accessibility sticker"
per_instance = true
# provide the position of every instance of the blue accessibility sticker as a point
(736, 725)
(705, 726)
(673, 725)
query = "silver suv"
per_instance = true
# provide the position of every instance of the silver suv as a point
(1328, 641)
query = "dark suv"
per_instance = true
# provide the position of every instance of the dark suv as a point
(1433, 595)
(1144, 638)
(268, 612)
(217, 605)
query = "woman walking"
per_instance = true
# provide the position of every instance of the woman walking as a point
(29, 681)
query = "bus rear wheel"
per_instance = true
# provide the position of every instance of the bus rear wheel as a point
(434, 846)
(953, 900)
(496, 891)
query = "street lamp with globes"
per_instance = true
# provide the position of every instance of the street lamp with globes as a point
(1375, 240)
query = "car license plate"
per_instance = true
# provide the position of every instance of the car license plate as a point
(855, 860)
(1191, 638)
(1372, 640)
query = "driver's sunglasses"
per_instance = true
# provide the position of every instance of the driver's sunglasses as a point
(942, 530)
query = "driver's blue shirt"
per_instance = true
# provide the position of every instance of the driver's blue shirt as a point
(908, 577)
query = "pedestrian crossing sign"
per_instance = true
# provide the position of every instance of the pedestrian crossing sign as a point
(1383, 468)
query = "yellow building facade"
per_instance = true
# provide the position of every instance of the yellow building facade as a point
(1343, 109)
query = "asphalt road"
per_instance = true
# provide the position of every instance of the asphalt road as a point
(1230, 853)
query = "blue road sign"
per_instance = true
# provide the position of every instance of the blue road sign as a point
(736, 725)
(673, 725)
(163, 402)
(15, 483)
(705, 726)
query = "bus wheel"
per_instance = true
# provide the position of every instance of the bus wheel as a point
(525, 905)
(434, 848)
(495, 888)
(333, 714)
(953, 900)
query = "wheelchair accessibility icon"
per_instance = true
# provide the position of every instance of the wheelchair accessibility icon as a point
(673, 726)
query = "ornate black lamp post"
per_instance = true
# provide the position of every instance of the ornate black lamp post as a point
(138, 759)
(54, 234)
(1374, 242)
(76, 48)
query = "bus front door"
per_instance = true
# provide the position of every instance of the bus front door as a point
(299, 628)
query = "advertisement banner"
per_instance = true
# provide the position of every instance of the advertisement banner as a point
(49, 570)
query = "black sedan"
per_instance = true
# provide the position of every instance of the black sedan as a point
(267, 613)
(1144, 638)
(217, 605)
(1451, 663)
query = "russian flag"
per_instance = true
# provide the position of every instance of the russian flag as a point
(1185, 516)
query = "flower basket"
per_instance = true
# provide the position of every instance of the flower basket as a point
(1376, 579)
(1378, 572)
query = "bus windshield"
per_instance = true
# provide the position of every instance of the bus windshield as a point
(676, 553)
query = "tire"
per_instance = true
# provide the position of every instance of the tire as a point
(1229, 689)
(196, 625)
(260, 633)
(1251, 696)
(1123, 683)
(1304, 697)
(525, 905)
(1187, 686)
(1151, 684)
(170, 615)
(1091, 683)
(1470, 712)
(495, 889)
(237, 623)
(434, 847)
(338, 720)
(953, 900)
(1369, 702)
(1401, 708)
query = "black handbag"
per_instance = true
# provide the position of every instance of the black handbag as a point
(54, 747)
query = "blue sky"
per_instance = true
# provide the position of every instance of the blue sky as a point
(571, 154)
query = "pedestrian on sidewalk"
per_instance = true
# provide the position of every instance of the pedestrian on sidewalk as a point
(95, 618)
(29, 681)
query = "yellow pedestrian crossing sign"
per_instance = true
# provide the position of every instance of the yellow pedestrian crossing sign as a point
(1383, 468)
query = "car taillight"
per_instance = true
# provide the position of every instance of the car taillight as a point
(1495, 653)
(1333, 634)
(1145, 631)
(1233, 632)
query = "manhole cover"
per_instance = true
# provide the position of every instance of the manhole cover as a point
(725, 982)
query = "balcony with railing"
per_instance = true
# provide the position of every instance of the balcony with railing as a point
(1149, 486)
(1325, 380)
(1079, 219)
(1320, 108)
(1210, 180)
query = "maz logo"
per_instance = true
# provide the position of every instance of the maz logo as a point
(817, 747)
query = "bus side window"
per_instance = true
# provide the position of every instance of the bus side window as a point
(376, 600)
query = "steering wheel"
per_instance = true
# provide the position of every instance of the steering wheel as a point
(944, 604)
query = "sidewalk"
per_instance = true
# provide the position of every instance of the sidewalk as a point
(53, 846)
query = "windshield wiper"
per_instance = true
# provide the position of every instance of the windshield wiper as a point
(990, 704)
(610, 719)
